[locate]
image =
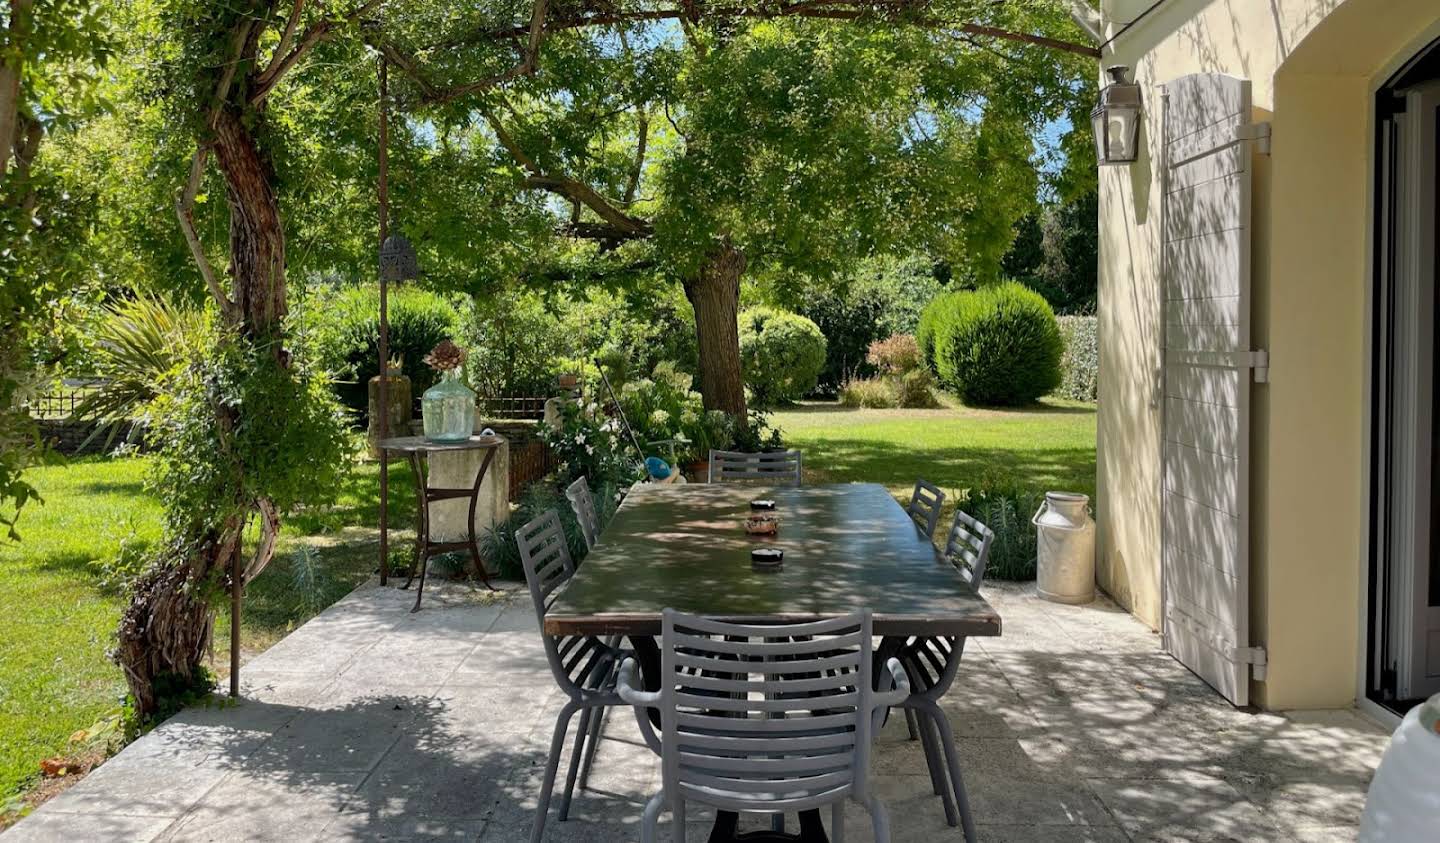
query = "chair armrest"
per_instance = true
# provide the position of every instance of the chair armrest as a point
(625, 686)
(900, 686)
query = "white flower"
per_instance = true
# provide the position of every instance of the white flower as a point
(590, 449)
(580, 438)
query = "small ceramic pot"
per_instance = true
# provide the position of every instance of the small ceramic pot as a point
(762, 524)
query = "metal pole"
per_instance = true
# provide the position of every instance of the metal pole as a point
(382, 390)
(237, 588)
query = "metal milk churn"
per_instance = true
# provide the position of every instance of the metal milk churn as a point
(1065, 547)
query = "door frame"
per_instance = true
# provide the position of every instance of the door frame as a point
(1370, 590)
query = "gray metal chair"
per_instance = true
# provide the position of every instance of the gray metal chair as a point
(770, 719)
(924, 508)
(583, 665)
(583, 503)
(931, 663)
(773, 468)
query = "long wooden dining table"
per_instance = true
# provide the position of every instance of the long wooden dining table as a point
(846, 547)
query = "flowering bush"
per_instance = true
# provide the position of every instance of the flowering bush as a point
(665, 406)
(895, 356)
(591, 445)
(903, 382)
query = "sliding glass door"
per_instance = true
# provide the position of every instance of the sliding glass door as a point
(1405, 574)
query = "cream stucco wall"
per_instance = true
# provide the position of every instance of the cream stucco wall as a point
(1313, 65)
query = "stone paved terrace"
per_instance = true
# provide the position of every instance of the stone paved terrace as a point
(375, 724)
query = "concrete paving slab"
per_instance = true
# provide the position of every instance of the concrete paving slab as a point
(266, 807)
(50, 827)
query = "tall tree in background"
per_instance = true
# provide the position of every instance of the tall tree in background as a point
(50, 53)
(713, 142)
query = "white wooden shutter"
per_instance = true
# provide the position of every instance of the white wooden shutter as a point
(1208, 369)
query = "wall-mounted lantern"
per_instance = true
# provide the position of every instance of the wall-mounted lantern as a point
(1117, 120)
(397, 260)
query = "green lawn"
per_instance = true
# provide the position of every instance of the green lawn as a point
(1048, 447)
(57, 617)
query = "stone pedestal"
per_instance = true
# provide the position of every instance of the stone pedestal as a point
(456, 470)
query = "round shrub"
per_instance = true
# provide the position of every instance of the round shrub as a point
(344, 331)
(782, 354)
(996, 346)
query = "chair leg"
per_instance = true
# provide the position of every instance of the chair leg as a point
(576, 755)
(879, 819)
(592, 742)
(910, 724)
(552, 766)
(929, 742)
(952, 760)
(650, 816)
(837, 822)
(677, 816)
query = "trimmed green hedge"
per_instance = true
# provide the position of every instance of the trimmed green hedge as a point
(343, 329)
(1080, 364)
(782, 354)
(996, 346)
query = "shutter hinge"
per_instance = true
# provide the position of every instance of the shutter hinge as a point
(1260, 364)
(1258, 132)
(1256, 658)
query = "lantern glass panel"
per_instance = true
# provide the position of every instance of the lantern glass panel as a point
(1123, 126)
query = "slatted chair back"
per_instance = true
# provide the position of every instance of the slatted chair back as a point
(765, 718)
(924, 508)
(583, 504)
(574, 659)
(773, 468)
(968, 547)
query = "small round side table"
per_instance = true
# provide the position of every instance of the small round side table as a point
(418, 449)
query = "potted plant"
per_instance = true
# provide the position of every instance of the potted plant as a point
(709, 430)
(447, 409)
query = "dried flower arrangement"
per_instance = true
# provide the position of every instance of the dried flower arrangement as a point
(445, 357)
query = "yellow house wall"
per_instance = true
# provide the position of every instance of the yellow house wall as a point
(1313, 65)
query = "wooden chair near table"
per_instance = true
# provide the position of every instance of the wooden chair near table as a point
(773, 468)
(583, 666)
(931, 663)
(924, 508)
(583, 504)
(789, 734)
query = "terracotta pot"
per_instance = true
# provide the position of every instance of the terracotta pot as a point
(697, 471)
(569, 381)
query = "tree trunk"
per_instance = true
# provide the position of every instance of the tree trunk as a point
(10, 71)
(714, 292)
(257, 236)
(166, 628)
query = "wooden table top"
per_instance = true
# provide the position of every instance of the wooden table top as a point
(410, 444)
(846, 547)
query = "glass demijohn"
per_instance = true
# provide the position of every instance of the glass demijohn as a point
(448, 409)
